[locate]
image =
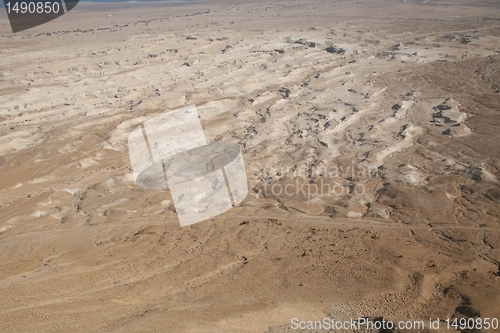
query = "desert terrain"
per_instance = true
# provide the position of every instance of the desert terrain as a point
(380, 118)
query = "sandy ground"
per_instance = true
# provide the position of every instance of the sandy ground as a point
(395, 106)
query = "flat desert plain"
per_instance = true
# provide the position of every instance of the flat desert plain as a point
(370, 132)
